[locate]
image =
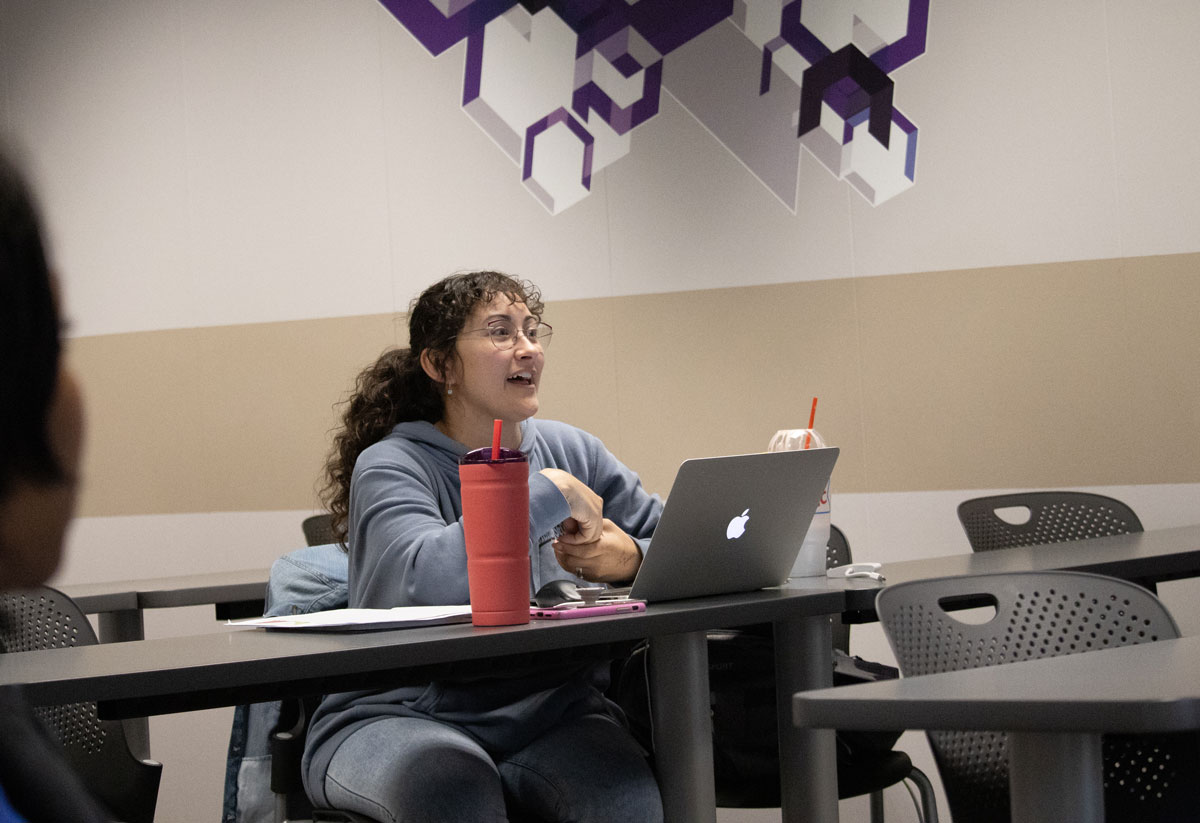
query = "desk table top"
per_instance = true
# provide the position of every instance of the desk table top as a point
(1149, 687)
(243, 665)
(1155, 556)
(166, 592)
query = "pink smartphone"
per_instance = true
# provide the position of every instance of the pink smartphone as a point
(588, 611)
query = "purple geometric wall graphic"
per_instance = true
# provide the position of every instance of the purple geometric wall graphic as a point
(559, 142)
(620, 79)
(847, 81)
(562, 85)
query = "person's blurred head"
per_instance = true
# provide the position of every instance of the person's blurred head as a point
(41, 418)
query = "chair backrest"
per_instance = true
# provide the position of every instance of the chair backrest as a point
(1054, 517)
(837, 553)
(318, 529)
(1037, 614)
(44, 618)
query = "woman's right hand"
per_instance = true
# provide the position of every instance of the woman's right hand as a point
(587, 507)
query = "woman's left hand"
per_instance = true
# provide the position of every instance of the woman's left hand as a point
(612, 557)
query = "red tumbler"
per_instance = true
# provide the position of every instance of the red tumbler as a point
(495, 503)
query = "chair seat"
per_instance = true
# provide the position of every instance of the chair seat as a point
(330, 816)
(873, 774)
(864, 775)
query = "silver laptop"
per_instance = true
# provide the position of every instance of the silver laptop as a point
(733, 524)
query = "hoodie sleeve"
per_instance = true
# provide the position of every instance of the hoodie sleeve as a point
(626, 501)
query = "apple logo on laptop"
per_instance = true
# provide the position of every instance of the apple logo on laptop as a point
(737, 526)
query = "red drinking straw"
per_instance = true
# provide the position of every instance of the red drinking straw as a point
(496, 425)
(812, 416)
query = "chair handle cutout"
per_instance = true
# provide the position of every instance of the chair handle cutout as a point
(1014, 515)
(972, 608)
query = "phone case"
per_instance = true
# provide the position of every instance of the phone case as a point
(587, 611)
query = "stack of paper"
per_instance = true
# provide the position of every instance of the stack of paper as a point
(357, 620)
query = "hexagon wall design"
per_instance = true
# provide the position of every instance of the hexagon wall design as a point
(561, 86)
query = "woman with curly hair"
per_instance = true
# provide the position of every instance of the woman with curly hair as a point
(543, 743)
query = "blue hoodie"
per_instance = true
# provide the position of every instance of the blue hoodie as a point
(406, 549)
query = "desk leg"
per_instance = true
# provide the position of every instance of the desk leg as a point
(1055, 777)
(807, 757)
(122, 625)
(682, 727)
(118, 627)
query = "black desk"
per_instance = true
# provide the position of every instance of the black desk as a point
(1155, 556)
(120, 604)
(1152, 556)
(237, 666)
(234, 669)
(1053, 709)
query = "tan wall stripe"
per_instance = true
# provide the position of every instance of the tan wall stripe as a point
(1064, 374)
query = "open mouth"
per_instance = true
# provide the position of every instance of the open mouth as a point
(523, 378)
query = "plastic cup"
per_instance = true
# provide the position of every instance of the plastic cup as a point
(495, 502)
(811, 560)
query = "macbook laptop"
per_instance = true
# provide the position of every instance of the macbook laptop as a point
(733, 524)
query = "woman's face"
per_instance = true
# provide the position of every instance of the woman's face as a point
(487, 383)
(34, 515)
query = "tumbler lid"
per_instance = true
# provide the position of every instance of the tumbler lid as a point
(484, 455)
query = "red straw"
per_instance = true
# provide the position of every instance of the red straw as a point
(496, 424)
(812, 416)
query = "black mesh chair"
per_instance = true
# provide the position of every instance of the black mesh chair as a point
(98, 750)
(263, 778)
(1033, 615)
(318, 529)
(1045, 517)
(864, 770)
(1053, 517)
(287, 748)
(741, 666)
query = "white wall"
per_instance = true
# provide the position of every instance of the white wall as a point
(214, 163)
(225, 162)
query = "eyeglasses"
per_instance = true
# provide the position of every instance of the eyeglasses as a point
(504, 335)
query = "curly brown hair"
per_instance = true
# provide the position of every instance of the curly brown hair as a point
(395, 388)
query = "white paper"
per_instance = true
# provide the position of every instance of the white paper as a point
(362, 619)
